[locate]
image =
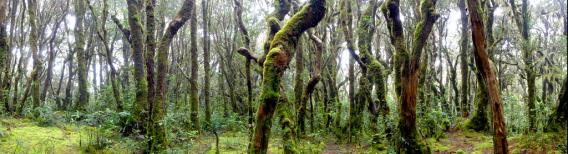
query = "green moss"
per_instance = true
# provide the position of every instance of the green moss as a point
(480, 120)
(436, 146)
(25, 136)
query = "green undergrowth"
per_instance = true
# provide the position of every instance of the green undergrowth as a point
(29, 136)
(26, 136)
(468, 141)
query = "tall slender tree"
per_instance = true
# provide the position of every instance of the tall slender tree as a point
(193, 97)
(206, 57)
(158, 130)
(483, 64)
(79, 48)
(34, 38)
(522, 22)
(463, 108)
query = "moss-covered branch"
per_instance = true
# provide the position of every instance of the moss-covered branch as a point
(282, 7)
(277, 60)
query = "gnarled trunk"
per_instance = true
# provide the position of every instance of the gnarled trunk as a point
(277, 60)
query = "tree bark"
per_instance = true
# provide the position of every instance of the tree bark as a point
(484, 68)
(480, 120)
(150, 51)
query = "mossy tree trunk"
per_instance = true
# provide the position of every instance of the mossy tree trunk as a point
(485, 70)
(299, 87)
(522, 22)
(193, 96)
(366, 30)
(560, 116)
(409, 63)
(480, 120)
(158, 130)
(4, 57)
(558, 119)
(37, 66)
(81, 55)
(464, 105)
(150, 51)
(141, 111)
(69, 83)
(357, 100)
(277, 60)
(206, 55)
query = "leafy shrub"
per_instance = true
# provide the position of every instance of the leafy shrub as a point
(434, 124)
(47, 117)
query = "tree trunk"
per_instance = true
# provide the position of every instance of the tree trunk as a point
(158, 130)
(558, 119)
(35, 81)
(68, 94)
(480, 120)
(299, 86)
(359, 99)
(4, 57)
(193, 97)
(277, 60)
(206, 67)
(464, 105)
(484, 69)
(522, 21)
(141, 113)
(150, 51)
(81, 55)
(409, 62)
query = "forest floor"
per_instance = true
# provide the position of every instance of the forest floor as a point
(27, 136)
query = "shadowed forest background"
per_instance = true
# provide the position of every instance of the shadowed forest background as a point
(283, 76)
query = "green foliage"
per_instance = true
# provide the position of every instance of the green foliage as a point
(434, 124)
(47, 117)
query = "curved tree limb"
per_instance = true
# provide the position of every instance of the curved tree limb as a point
(277, 60)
